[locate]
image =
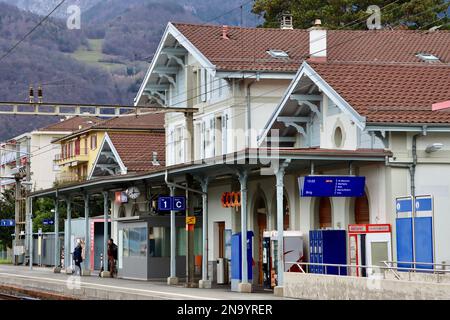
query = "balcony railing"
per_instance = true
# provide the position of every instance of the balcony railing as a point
(68, 178)
(61, 157)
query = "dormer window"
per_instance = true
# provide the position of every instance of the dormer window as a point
(427, 57)
(279, 54)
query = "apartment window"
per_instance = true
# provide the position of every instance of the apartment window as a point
(70, 149)
(93, 142)
(85, 149)
(77, 147)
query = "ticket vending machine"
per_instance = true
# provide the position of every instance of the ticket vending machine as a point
(293, 252)
(368, 245)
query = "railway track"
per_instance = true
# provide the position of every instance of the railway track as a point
(8, 297)
(12, 297)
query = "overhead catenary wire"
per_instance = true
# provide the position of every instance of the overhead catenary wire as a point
(253, 75)
(10, 50)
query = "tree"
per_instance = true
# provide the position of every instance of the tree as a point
(6, 212)
(412, 14)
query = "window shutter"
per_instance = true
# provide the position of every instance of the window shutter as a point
(203, 84)
(182, 143)
(171, 147)
(213, 136)
(203, 140)
(224, 133)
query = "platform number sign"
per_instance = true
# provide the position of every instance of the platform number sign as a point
(171, 203)
(179, 203)
(164, 203)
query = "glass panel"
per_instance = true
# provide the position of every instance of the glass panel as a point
(138, 242)
(120, 251)
(134, 242)
(181, 241)
(125, 243)
(159, 239)
(379, 253)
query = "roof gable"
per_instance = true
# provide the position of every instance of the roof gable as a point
(307, 72)
(172, 34)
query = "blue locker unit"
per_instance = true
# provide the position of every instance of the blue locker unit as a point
(423, 231)
(236, 256)
(328, 247)
(404, 242)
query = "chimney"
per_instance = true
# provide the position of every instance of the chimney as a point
(287, 22)
(317, 42)
(225, 30)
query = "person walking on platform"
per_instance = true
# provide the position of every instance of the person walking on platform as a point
(77, 257)
(112, 257)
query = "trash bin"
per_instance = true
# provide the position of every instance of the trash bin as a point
(222, 271)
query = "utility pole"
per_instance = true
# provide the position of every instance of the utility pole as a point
(28, 213)
(17, 205)
(190, 258)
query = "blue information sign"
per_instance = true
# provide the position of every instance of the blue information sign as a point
(48, 222)
(165, 203)
(171, 203)
(404, 207)
(179, 203)
(7, 223)
(332, 186)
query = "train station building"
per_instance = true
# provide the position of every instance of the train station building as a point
(301, 136)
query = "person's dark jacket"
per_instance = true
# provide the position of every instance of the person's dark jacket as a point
(77, 255)
(112, 251)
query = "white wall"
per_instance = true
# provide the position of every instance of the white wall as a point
(42, 165)
(434, 179)
(216, 213)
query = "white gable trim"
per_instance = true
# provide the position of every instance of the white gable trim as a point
(307, 70)
(172, 30)
(334, 96)
(280, 106)
(114, 151)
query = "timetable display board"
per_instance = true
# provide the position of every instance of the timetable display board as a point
(332, 186)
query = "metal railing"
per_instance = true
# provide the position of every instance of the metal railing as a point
(354, 270)
(65, 178)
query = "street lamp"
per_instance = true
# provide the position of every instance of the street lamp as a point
(434, 147)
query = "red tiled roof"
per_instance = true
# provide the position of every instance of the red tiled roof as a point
(72, 124)
(391, 92)
(246, 48)
(142, 121)
(136, 149)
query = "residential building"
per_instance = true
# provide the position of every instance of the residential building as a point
(81, 153)
(36, 148)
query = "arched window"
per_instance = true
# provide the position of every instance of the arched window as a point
(324, 213)
(362, 210)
